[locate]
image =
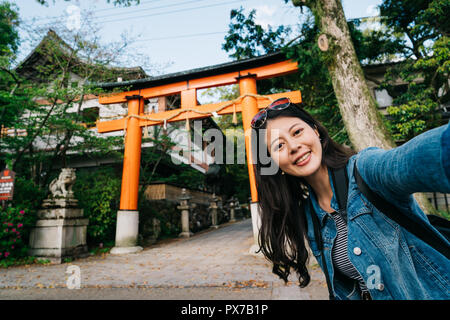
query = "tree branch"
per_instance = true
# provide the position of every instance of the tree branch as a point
(15, 79)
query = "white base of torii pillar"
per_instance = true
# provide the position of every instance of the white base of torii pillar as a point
(256, 226)
(127, 230)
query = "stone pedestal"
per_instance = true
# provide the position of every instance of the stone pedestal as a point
(60, 232)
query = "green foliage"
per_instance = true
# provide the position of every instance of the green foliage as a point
(224, 93)
(445, 214)
(98, 193)
(424, 68)
(27, 194)
(167, 215)
(236, 182)
(183, 175)
(188, 177)
(102, 248)
(411, 119)
(44, 111)
(12, 106)
(374, 45)
(9, 35)
(41, 261)
(155, 156)
(248, 39)
(6, 263)
(12, 101)
(14, 234)
(419, 20)
(16, 223)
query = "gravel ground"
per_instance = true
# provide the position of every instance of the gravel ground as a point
(211, 265)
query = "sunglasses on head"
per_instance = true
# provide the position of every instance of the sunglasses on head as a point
(260, 118)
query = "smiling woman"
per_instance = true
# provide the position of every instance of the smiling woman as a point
(291, 134)
(363, 253)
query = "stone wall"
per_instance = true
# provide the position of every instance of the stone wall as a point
(161, 219)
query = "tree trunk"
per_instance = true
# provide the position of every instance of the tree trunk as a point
(358, 108)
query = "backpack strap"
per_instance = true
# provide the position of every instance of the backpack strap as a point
(340, 183)
(318, 238)
(419, 229)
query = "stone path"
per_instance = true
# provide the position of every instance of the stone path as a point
(211, 265)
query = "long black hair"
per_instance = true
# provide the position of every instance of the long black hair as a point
(282, 199)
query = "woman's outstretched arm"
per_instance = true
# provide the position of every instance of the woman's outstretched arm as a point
(420, 165)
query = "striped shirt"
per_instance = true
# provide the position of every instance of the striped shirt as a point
(340, 254)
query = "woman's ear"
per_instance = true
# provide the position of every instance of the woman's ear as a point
(316, 131)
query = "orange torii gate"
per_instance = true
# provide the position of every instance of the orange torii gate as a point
(245, 73)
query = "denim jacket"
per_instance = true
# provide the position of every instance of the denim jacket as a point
(394, 263)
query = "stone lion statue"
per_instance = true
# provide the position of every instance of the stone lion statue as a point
(61, 187)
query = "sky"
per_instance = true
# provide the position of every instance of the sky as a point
(175, 35)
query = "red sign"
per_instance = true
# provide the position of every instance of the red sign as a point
(7, 184)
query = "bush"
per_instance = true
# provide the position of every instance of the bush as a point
(413, 118)
(167, 215)
(14, 232)
(98, 193)
(27, 194)
(445, 214)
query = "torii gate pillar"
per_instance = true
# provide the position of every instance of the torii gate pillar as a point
(127, 226)
(247, 85)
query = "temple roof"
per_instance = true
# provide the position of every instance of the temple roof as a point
(40, 56)
(197, 73)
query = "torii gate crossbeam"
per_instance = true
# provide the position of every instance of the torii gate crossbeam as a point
(244, 73)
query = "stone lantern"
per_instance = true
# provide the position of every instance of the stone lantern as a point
(213, 208)
(185, 208)
(232, 209)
